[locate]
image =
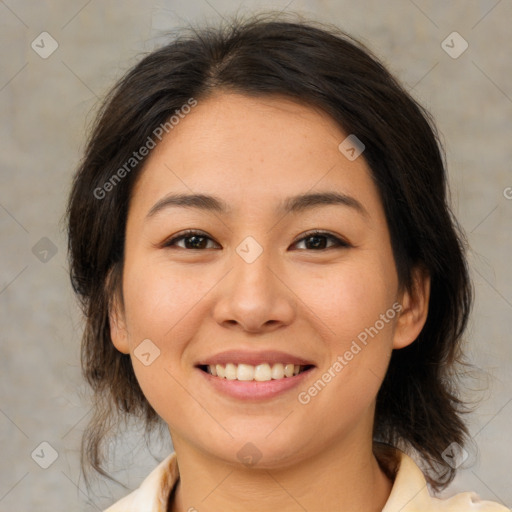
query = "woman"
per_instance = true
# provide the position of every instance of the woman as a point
(260, 236)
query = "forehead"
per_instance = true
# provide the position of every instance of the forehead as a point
(235, 127)
(252, 151)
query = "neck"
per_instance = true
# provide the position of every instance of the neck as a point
(344, 477)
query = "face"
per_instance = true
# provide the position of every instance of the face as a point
(265, 278)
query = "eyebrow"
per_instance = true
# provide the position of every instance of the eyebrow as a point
(293, 204)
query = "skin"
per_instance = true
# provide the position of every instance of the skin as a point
(194, 303)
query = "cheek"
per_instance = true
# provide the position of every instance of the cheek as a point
(156, 320)
(350, 297)
(154, 306)
(163, 304)
(159, 300)
(356, 319)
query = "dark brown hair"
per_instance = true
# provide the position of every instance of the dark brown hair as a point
(417, 406)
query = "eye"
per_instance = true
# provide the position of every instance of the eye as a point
(192, 239)
(319, 238)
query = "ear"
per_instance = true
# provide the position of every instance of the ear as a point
(413, 314)
(118, 331)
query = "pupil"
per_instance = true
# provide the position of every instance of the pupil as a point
(194, 243)
(318, 241)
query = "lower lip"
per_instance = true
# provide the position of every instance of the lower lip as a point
(254, 390)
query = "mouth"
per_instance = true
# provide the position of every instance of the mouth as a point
(262, 372)
(254, 376)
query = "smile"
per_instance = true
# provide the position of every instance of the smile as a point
(259, 373)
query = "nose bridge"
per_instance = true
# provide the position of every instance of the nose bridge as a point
(253, 296)
(252, 262)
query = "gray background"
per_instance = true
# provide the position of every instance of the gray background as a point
(46, 105)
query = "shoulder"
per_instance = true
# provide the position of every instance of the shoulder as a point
(153, 493)
(467, 501)
(410, 493)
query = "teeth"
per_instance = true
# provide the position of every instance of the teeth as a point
(288, 370)
(277, 371)
(260, 373)
(244, 372)
(231, 371)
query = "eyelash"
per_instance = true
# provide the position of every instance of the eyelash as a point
(315, 233)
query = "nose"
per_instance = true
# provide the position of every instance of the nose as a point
(254, 296)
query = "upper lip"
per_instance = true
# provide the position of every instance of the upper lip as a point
(253, 358)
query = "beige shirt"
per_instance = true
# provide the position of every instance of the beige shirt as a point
(409, 492)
